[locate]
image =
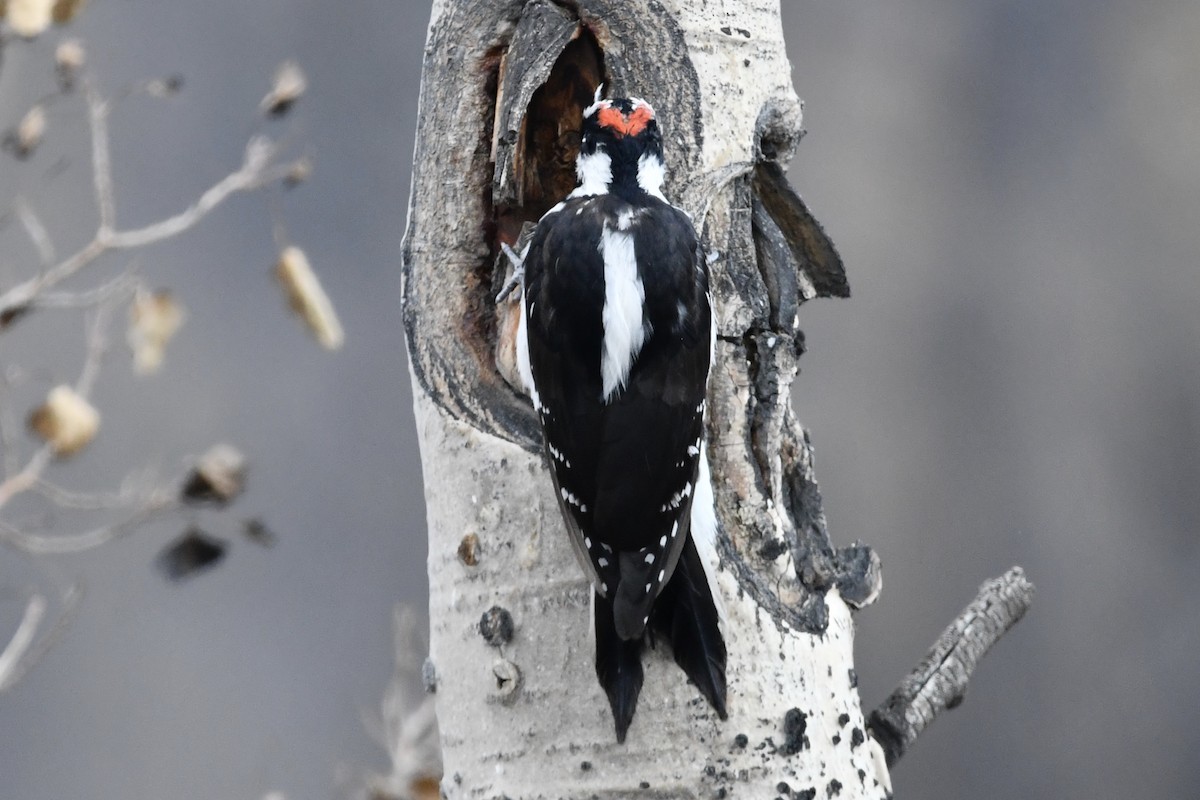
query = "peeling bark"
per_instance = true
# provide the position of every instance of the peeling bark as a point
(521, 714)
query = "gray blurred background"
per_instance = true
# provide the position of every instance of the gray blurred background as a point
(1015, 188)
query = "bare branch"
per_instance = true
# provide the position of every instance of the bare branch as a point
(25, 479)
(124, 283)
(159, 503)
(155, 503)
(255, 172)
(31, 651)
(8, 427)
(137, 500)
(21, 295)
(30, 475)
(36, 230)
(97, 345)
(87, 501)
(940, 680)
(101, 164)
(20, 642)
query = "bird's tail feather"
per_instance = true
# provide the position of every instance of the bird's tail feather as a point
(686, 615)
(618, 666)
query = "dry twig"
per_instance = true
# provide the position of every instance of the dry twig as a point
(939, 682)
(24, 649)
(258, 169)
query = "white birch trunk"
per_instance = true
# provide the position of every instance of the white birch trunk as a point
(525, 716)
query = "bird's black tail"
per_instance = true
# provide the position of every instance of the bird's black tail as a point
(686, 615)
(618, 666)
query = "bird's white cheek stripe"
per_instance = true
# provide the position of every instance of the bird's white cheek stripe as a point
(595, 174)
(651, 174)
(624, 297)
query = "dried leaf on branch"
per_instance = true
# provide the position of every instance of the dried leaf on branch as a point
(286, 89)
(66, 421)
(154, 318)
(307, 298)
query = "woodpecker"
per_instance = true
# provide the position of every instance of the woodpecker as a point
(614, 347)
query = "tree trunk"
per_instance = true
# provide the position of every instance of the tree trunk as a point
(520, 710)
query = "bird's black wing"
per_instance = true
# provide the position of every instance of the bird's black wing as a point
(564, 298)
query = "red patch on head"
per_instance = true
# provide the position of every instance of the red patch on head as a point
(639, 119)
(618, 123)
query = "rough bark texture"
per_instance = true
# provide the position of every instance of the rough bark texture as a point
(940, 680)
(522, 715)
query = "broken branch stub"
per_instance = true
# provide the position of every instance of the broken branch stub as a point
(939, 682)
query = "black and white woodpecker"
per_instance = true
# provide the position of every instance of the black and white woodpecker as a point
(614, 346)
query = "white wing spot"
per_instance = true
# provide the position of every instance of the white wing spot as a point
(571, 498)
(674, 529)
(650, 558)
(587, 543)
(662, 542)
(662, 573)
(602, 562)
(693, 451)
(648, 589)
(677, 499)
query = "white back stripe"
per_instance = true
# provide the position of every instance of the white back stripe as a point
(624, 297)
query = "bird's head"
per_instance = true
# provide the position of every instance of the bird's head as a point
(621, 148)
